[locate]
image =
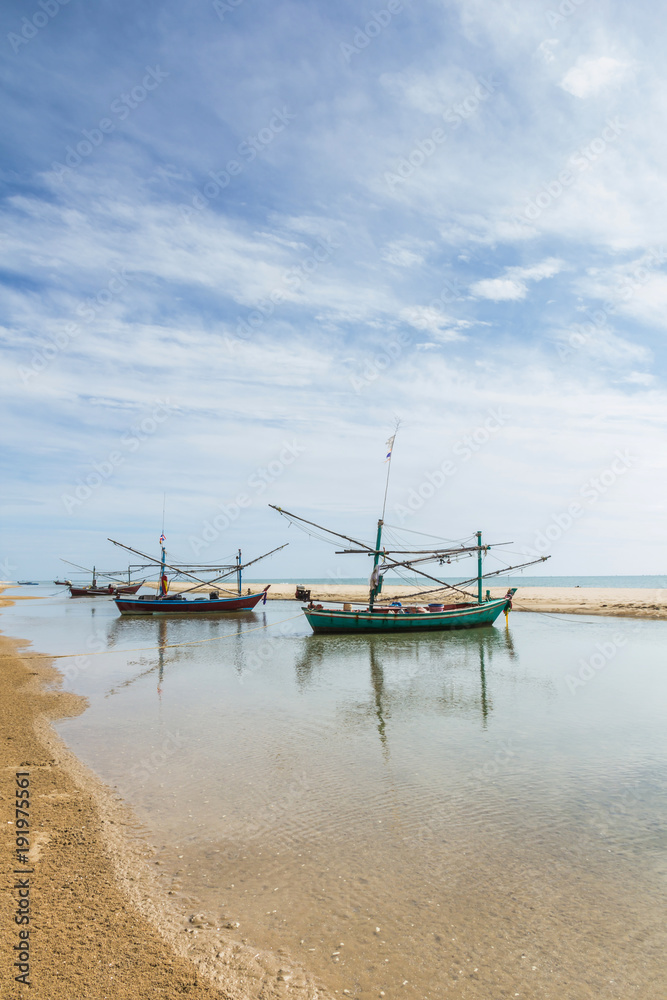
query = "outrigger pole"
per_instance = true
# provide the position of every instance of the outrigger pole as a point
(206, 583)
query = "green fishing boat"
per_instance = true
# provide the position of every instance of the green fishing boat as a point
(379, 615)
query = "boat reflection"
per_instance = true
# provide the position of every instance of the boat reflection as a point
(164, 640)
(417, 673)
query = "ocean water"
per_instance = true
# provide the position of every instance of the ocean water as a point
(517, 580)
(477, 814)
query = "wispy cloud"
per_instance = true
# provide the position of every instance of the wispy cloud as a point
(297, 266)
(513, 285)
(591, 75)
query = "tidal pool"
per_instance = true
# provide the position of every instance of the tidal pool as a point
(476, 814)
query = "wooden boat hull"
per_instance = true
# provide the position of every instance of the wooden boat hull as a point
(90, 592)
(109, 591)
(172, 606)
(457, 617)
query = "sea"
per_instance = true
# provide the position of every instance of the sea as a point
(475, 814)
(622, 582)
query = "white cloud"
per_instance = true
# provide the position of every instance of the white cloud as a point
(512, 286)
(500, 289)
(430, 320)
(402, 254)
(589, 76)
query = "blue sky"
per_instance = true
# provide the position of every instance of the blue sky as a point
(240, 239)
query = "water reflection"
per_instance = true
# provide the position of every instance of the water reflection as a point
(174, 639)
(418, 674)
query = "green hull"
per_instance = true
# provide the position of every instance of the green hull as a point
(466, 616)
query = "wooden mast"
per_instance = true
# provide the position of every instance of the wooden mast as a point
(376, 579)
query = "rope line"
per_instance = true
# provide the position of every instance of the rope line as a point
(142, 649)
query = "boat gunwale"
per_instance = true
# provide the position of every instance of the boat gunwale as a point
(170, 606)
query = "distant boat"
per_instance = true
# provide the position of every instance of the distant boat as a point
(28, 583)
(176, 604)
(110, 590)
(63, 583)
(434, 617)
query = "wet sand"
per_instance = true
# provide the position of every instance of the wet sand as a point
(627, 603)
(102, 924)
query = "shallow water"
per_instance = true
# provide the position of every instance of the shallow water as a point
(476, 814)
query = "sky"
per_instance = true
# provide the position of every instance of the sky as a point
(241, 239)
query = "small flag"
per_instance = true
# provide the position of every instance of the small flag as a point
(390, 445)
(162, 538)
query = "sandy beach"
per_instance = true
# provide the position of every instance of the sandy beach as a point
(102, 925)
(628, 603)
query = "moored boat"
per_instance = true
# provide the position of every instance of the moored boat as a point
(111, 590)
(107, 590)
(408, 619)
(164, 603)
(176, 604)
(378, 616)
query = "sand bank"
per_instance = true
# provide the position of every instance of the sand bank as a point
(102, 924)
(628, 603)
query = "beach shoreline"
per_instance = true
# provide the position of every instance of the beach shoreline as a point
(102, 924)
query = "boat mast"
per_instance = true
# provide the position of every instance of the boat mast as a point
(238, 570)
(162, 590)
(479, 567)
(376, 579)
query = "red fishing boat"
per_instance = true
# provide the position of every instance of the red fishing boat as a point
(213, 603)
(109, 590)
